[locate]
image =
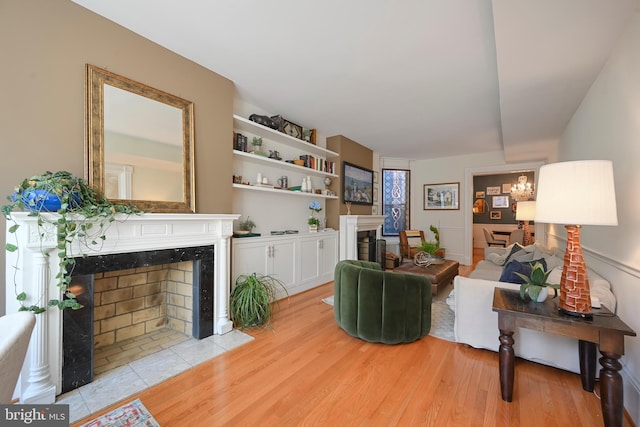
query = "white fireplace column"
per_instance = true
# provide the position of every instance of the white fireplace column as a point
(34, 273)
(349, 227)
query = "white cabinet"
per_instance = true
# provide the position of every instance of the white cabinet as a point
(318, 257)
(328, 255)
(301, 261)
(274, 257)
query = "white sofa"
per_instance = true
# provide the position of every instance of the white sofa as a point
(476, 324)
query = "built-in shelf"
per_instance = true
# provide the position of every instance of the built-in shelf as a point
(280, 163)
(245, 125)
(281, 191)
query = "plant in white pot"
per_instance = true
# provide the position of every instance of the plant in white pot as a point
(246, 226)
(535, 284)
(67, 206)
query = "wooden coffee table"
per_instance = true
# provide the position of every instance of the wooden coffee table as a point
(439, 275)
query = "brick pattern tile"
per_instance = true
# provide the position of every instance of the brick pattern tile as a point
(134, 302)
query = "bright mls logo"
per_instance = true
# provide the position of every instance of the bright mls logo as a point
(34, 415)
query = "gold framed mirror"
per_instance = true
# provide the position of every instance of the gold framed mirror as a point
(140, 143)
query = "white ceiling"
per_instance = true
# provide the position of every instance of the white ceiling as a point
(406, 78)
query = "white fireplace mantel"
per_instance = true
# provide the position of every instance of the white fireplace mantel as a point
(349, 227)
(35, 265)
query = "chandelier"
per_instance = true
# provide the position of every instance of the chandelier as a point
(522, 190)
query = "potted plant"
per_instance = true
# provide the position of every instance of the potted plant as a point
(535, 284)
(70, 208)
(246, 226)
(314, 222)
(253, 299)
(256, 142)
(439, 252)
(429, 247)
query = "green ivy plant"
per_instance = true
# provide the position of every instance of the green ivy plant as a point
(84, 214)
(251, 300)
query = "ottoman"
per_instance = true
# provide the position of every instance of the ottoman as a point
(439, 275)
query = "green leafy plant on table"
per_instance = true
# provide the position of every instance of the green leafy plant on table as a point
(253, 300)
(430, 247)
(67, 206)
(535, 282)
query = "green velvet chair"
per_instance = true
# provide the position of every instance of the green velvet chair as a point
(381, 306)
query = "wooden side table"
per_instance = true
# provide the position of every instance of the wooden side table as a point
(605, 329)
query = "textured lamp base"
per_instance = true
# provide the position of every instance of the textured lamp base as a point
(575, 298)
(526, 240)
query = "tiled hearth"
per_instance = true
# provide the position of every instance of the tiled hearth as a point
(137, 375)
(121, 353)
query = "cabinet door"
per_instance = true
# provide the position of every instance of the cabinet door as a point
(282, 263)
(328, 255)
(250, 258)
(309, 256)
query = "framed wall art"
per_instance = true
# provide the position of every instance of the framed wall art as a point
(495, 214)
(479, 194)
(500, 202)
(445, 196)
(506, 188)
(357, 184)
(292, 129)
(493, 191)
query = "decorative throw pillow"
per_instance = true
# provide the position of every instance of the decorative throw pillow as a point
(508, 273)
(511, 251)
(556, 274)
(522, 256)
(496, 258)
(549, 255)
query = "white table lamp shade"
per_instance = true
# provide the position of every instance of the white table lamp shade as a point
(526, 210)
(579, 193)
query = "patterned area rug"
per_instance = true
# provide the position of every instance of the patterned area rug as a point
(132, 414)
(442, 317)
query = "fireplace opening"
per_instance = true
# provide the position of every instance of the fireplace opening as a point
(370, 248)
(130, 296)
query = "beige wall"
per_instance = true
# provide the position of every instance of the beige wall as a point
(45, 45)
(351, 152)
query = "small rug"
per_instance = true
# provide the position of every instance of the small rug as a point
(132, 414)
(442, 317)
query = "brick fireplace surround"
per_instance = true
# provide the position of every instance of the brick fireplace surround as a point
(37, 266)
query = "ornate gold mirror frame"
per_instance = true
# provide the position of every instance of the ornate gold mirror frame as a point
(136, 163)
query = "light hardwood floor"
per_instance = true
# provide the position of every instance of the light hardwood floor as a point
(307, 371)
